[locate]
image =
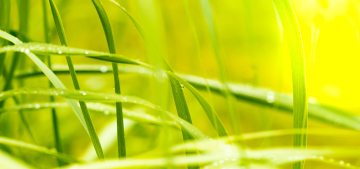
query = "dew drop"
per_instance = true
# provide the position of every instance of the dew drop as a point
(22, 50)
(27, 50)
(106, 112)
(37, 106)
(84, 93)
(342, 162)
(270, 97)
(103, 69)
(60, 52)
(86, 52)
(182, 85)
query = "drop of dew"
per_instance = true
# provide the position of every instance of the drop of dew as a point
(106, 112)
(60, 52)
(22, 50)
(270, 97)
(37, 106)
(103, 69)
(84, 93)
(27, 50)
(182, 85)
(86, 52)
(342, 162)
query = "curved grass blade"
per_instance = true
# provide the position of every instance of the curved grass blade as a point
(61, 32)
(50, 49)
(137, 115)
(111, 45)
(295, 44)
(52, 77)
(255, 95)
(39, 149)
(106, 97)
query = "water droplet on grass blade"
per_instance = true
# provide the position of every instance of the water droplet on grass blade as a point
(270, 97)
(103, 69)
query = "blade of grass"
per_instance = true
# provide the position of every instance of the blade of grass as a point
(135, 115)
(255, 95)
(177, 93)
(295, 45)
(39, 149)
(52, 77)
(57, 139)
(111, 45)
(209, 18)
(8, 161)
(105, 97)
(61, 32)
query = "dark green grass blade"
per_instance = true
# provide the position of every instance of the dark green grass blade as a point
(111, 45)
(61, 33)
(57, 139)
(295, 44)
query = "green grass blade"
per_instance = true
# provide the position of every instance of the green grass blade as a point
(61, 32)
(39, 149)
(51, 76)
(57, 139)
(176, 86)
(105, 97)
(111, 45)
(230, 101)
(295, 44)
(135, 115)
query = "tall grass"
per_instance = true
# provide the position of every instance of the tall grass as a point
(156, 136)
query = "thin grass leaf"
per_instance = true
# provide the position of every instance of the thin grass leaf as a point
(111, 45)
(57, 140)
(39, 149)
(295, 45)
(177, 89)
(61, 32)
(230, 103)
(137, 115)
(106, 97)
(52, 77)
(50, 49)
(255, 95)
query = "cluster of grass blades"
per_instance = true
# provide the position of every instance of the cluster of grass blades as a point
(119, 114)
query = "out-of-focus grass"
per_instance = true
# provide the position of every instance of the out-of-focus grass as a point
(257, 71)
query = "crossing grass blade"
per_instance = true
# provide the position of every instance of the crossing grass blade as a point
(57, 139)
(295, 45)
(177, 90)
(111, 45)
(138, 115)
(255, 95)
(12, 162)
(39, 149)
(61, 32)
(106, 97)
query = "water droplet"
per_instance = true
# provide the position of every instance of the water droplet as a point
(37, 106)
(60, 52)
(182, 85)
(106, 112)
(348, 164)
(331, 160)
(103, 69)
(342, 162)
(27, 50)
(270, 97)
(86, 52)
(84, 93)
(22, 50)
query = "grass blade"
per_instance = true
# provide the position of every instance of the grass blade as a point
(85, 113)
(42, 150)
(12, 162)
(295, 44)
(57, 139)
(111, 45)
(106, 97)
